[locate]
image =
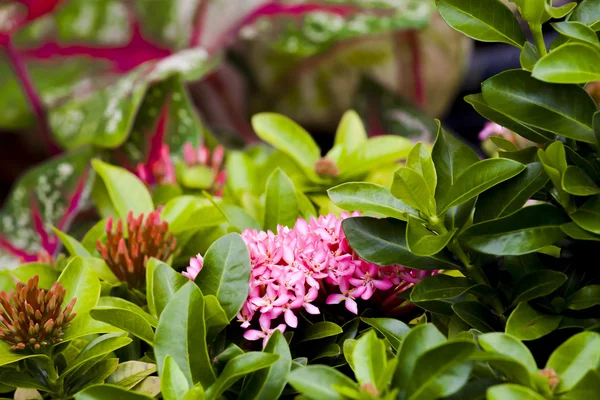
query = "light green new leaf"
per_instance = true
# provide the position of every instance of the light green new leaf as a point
(73, 246)
(369, 197)
(576, 31)
(419, 159)
(130, 373)
(281, 204)
(226, 273)
(318, 382)
(369, 359)
(587, 12)
(574, 358)
(575, 181)
(526, 323)
(503, 343)
(377, 151)
(569, 63)
(486, 21)
(162, 282)
(103, 392)
(410, 187)
(588, 215)
(46, 274)
(173, 384)
(586, 297)
(350, 135)
(82, 283)
(392, 329)
(529, 56)
(423, 242)
(513, 392)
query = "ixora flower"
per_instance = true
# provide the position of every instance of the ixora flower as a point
(311, 264)
(146, 238)
(31, 319)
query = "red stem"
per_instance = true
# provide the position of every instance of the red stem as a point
(32, 96)
(413, 42)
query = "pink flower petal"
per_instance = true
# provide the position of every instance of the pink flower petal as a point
(253, 334)
(351, 306)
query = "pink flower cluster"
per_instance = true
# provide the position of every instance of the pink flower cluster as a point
(298, 268)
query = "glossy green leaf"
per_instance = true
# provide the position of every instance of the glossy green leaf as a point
(392, 329)
(574, 358)
(226, 273)
(287, 136)
(181, 333)
(503, 144)
(127, 316)
(574, 231)
(513, 392)
(506, 120)
(537, 284)
(586, 297)
(451, 158)
(417, 342)
(486, 21)
(377, 152)
(588, 215)
(383, 242)
(525, 231)
(575, 181)
(73, 246)
(511, 195)
(369, 358)
(441, 371)
(173, 384)
(126, 191)
(268, 383)
(215, 318)
(47, 275)
(587, 12)
(503, 343)
(541, 105)
(439, 287)
(419, 159)
(130, 373)
(318, 382)
(422, 242)
(529, 56)
(162, 282)
(97, 349)
(350, 134)
(478, 178)
(371, 198)
(569, 63)
(104, 392)
(586, 388)
(577, 31)
(237, 368)
(281, 205)
(320, 330)
(477, 315)
(410, 187)
(82, 283)
(525, 323)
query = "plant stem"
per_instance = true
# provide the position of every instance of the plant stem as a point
(538, 36)
(32, 96)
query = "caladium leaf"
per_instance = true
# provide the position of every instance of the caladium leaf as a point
(49, 195)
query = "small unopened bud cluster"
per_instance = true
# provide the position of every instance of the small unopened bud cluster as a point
(127, 256)
(30, 318)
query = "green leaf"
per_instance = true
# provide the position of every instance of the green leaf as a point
(240, 219)
(268, 383)
(576, 31)
(513, 392)
(47, 275)
(383, 242)
(130, 373)
(506, 120)
(197, 177)
(126, 191)
(529, 56)
(320, 330)
(586, 297)
(439, 287)
(104, 392)
(575, 181)
(226, 273)
(73, 246)
(410, 187)
(350, 134)
(586, 388)
(95, 233)
(587, 12)
(99, 266)
(442, 370)
(369, 197)
(503, 343)
(178, 211)
(422, 242)
(287, 136)
(525, 323)
(503, 144)
(82, 283)
(419, 159)
(369, 359)
(127, 316)
(318, 382)
(237, 368)
(588, 215)
(486, 21)
(419, 340)
(173, 384)
(162, 282)
(215, 318)
(574, 231)
(477, 315)
(377, 152)
(541, 105)
(181, 333)
(569, 63)
(451, 158)
(392, 329)
(574, 358)
(97, 349)
(478, 178)
(281, 205)
(511, 195)
(525, 231)
(537, 284)
(21, 380)
(195, 393)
